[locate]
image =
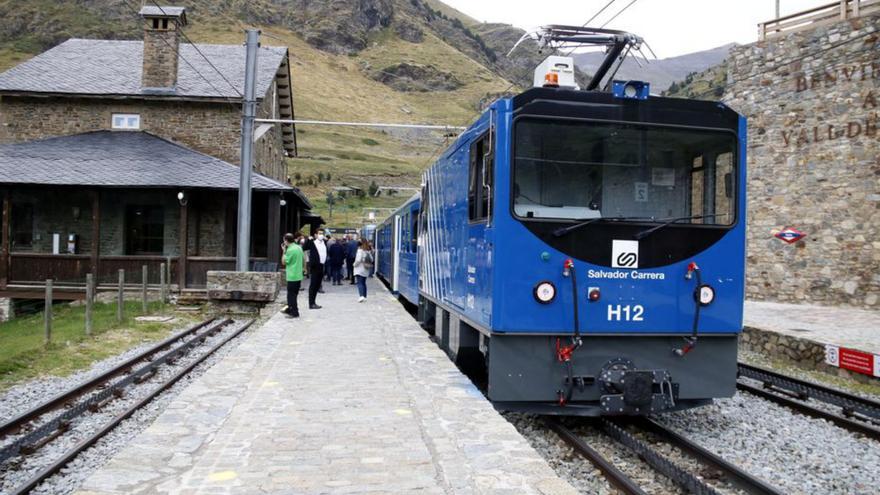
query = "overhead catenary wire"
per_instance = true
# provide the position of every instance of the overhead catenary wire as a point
(618, 13)
(361, 124)
(597, 14)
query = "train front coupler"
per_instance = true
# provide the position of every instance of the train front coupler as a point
(633, 391)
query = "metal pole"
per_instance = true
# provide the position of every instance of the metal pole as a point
(47, 312)
(120, 296)
(144, 274)
(90, 299)
(777, 9)
(162, 292)
(242, 255)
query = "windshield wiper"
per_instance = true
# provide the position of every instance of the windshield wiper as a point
(645, 233)
(587, 221)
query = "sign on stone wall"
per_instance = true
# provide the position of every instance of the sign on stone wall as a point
(864, 75)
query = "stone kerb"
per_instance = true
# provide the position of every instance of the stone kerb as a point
(242, 292)
(803, 353)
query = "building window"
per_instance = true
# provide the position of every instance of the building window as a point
(22, 226)
(126, 121)
(145, 230)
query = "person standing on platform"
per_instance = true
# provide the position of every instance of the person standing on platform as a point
(351, 249)
(292, 259)
(336, 258)
(363, 263)
(317, 257)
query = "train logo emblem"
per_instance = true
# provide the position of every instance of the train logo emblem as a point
(624, 254)
(789, 235)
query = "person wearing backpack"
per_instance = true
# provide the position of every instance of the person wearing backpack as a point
(363, 263)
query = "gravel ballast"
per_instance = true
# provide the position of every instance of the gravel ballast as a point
(795, 453)
(69, 478)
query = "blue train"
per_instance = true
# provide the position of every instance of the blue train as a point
(586, 249)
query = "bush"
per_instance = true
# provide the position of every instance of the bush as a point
(373, 189)
(369, 142)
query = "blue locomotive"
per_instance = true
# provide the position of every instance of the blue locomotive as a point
(585, 248)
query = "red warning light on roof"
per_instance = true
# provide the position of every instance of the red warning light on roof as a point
(789, 235)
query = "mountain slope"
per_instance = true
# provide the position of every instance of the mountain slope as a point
(660, 73)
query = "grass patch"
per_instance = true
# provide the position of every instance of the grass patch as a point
(370, 142)
(24, 355)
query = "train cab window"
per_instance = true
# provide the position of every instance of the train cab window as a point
(481, 176)
(574, 170)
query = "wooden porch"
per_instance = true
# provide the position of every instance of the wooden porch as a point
(195, 234)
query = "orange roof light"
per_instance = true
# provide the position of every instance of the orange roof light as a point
(551, 80)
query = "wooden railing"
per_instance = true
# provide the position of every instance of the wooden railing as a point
(70, 269)
(825, 14)
(31, 267)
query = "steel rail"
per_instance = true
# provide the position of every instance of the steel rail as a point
(88, 442)
(614, 475)
(13, 425)
(803, 408)
(35, 438)
(849, 403)
(734, 473)
(660, 463)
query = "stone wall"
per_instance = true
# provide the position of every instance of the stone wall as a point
(52, 214)
(803, 353)
(241, 292)
(6, 309)
(812, 99)
(160, 55)
(213, 128)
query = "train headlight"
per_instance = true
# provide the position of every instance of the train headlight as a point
(632, 90)
(545, 292)
(705, 295)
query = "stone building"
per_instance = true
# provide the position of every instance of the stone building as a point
(811, 92)
(130, 149)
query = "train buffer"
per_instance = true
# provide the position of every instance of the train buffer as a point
(351, 398)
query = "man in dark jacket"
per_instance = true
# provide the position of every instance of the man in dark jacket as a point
(351, 249)
(336, 258)
(317, 257)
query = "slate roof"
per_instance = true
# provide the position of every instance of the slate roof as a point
(114, 67)
(122, 159)
(163, 11)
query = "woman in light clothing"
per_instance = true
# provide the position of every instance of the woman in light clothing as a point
(363, 263)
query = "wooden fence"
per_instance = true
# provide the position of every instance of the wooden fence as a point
(825, 14)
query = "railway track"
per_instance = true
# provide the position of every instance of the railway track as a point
(28, 433)
(851, 412)
(686, 480)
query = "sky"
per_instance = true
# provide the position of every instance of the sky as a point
(670, 27)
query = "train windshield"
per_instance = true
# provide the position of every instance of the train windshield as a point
(578, 170)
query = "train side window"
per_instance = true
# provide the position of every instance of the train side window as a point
(414, 233)
(481, 173)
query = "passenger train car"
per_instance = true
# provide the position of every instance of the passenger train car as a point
(585, 248)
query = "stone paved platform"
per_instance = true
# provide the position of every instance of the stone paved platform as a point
(352, 398)
(846, 327)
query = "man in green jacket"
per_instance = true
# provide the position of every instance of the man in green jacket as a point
(292, 260)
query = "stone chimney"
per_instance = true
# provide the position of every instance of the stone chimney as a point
(161, 44)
